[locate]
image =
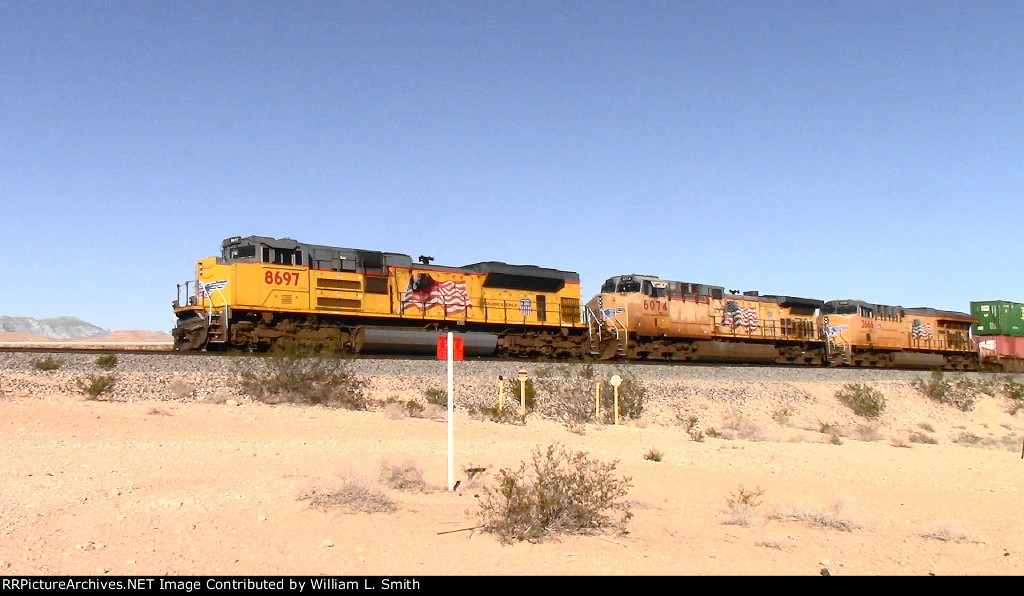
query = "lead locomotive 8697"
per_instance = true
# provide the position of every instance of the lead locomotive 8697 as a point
(264, 292)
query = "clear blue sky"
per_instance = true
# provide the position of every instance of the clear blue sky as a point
(857, 149)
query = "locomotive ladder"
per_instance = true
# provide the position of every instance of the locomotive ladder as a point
(838, 348)
(600, 329)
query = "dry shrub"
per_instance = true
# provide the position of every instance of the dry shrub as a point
(692, 425)
(918, 437)
(864, 400)
(48, 363)
(302, 377)
(394, 410)
(654, 454)
(736, 426)
(828, 519)
(438, 397)
(1015, 393)
(94, 386)
(833, 431)
(406, 476)
(107, 361)
(741, 506)
(557, 491)
(948, 531)
(961, 393)
(784, 413)
(967, 438)
(868, 432)
(348, 492)
(180, 390)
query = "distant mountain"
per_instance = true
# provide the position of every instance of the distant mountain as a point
(56, 327)
(135, 336)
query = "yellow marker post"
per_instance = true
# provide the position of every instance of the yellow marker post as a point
(523, 376)
(597, 403)
(616, 380)
(501, 395)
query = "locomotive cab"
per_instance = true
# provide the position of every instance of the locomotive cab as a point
(655, 287)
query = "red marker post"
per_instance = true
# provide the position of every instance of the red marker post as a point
(450, 348)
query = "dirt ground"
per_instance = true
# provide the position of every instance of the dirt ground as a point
(155, 488)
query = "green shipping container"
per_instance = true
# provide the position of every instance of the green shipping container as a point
(998, 317)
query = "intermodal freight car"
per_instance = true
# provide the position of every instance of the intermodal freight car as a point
(263, 292)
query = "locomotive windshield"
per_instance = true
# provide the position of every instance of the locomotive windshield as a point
(618, 284)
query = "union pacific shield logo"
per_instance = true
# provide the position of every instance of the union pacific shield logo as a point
(525, 307)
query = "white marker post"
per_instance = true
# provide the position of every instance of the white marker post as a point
(616, 380)
(451, 410)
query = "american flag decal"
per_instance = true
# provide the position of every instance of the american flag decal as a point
(525, 306)
(733, 316)
(921, 330)
(423, 292)
(203, 290)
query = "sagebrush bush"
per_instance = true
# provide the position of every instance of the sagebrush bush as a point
(517, 394)
(828, 519)
(107, 361)
(568, 394)
(557, 491)
(349, 492)
(438, 397)
(1014, 390)
(864, 400)
(654, 454)
(741, 506)
(48, 363)
(94, 386)
(960, 394)
(301, 377)
(406, 476)
(632, 395)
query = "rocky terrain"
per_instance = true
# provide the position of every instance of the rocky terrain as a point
(177, 470)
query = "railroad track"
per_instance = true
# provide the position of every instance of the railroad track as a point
(78, 347)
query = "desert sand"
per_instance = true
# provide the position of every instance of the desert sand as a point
(158, 487)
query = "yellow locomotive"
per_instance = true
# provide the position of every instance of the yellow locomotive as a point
(646, 317)
(261, 292)
(863, 334)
